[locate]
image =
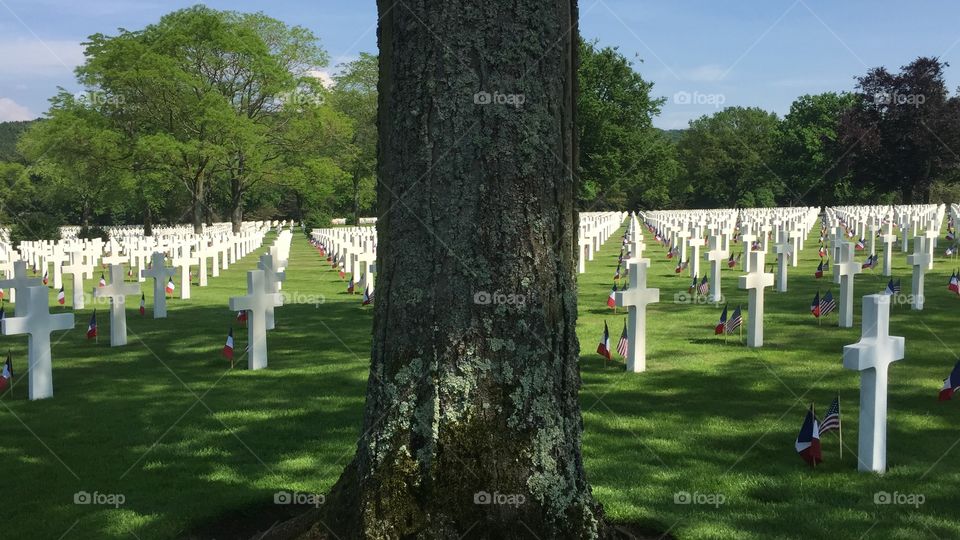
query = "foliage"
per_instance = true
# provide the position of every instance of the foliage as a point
(624, 160)
(901, 130)
(726, 159)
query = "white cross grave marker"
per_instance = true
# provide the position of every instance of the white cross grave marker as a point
(888, 239)
(20, 282)
(272, 280)
(872, 357)
(918, 261)
(38, 323)
(636, 297)
(716, 256)
(847, 269)
(117, 291)
(755, 282)
(783, 249)
(257, 302)
(160, 275)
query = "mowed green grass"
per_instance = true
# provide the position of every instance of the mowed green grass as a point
(719, 420)
(187, 441)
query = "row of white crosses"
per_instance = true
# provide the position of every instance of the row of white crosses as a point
(594, 229)
(354, 251)
(32, 315)
(636, 298)
(79, 258)
(882, 219)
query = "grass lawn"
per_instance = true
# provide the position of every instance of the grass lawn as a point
(187, 441)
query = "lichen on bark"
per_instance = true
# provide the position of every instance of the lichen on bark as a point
(474, 381)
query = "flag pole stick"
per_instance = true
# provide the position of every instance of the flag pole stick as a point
(813, 407)
(840, 424)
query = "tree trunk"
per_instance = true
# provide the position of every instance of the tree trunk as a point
(198, 205)
(147, 220)
(472, 423)
(356, 197)
(236, 204)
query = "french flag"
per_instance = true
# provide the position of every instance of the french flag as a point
(170, 286)
(815, 305)
(350, 286)
(143, 304)
(950, 384)
(954, 284)
(6, 376)
(242, 316)
(92, 327)
(808, 440)
(228, 346)
(722, 325)
(603, 348)
(46, 277)
(367, 296)
(612, 298)
(103, 282)
(819, 273)
(61, 297)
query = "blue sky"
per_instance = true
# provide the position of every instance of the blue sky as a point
(701, 55)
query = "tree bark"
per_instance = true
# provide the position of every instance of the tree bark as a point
(236, 204)
(198, 205)
(147, 220)
(472, 425)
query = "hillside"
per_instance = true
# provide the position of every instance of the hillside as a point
(9, 133)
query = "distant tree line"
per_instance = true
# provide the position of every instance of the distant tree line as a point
(217, 115)
(206, 115)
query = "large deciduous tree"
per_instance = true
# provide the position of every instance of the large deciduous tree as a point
(728, 159)
(476, 189)
(811, 157)
(625, 161)
(903, 129)
(355, 95)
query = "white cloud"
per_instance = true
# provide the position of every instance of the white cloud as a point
(705, 73)
(32, 57)
(325, 78)
(11, 111)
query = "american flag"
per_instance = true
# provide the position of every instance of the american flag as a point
(870, 262)
(704, 287)
(827, 304)
(831, 421)
(734, 321)
(624, 342)
(860, 244)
